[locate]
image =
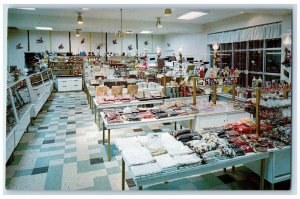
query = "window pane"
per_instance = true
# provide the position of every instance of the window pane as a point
(240, 60)
(273, 43)
(271, 77)
(226, 59)
(227, 46)
(256, 61)
(256, 44)
(273, 61)
(240, 45)
(242, 80)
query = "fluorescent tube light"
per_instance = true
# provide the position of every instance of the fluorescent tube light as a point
(191, 15)
(26, 8)
(44, 28)
(146, 32)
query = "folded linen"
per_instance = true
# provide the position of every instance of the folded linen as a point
(184, 160)
(145, 169)
(137, 156)
(165, 161)
(178, 150)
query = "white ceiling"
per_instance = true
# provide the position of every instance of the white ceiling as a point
(107, 19)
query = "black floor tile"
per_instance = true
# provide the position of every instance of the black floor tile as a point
(100, 141)
(157, 130)
(48, 141)
(130, 182)
(39, 170)
(71, 122)
(43, 127)
(50, 110)
(96, 161)
(226, 178)
(168, 123)
(71, 132)
(137, 130)
(64, 117)
(78, 112)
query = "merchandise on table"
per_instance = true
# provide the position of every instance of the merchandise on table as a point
(132, 117)
(113, 117)
(166, 162)
(127, 143)
(187, 159)
(145, 169)
(137, 156)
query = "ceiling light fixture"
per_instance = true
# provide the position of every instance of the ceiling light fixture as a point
(85, 9)
(79, 18)
(120, 34)
(191, 15)
(168, 12)
(43, 28)
(128, 31)
(158, 23)
(146, 32)
(77, 32)
(241, 12)
(26, 8)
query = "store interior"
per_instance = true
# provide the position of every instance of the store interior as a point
(133, 98)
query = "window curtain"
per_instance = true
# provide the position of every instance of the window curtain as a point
(269, 31)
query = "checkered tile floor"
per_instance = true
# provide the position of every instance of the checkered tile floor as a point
(63, 151)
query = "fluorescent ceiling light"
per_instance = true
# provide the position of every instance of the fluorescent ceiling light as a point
(44, 28)
(191, 15)
(128, 31)
(85, 8)
(146, 32)
(26, 8)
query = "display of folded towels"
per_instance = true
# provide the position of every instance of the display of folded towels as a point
(187, 159)
(127, 143)
(177, 150)
(145, 169)
(155, 151)
(137, 156)
(165, 161)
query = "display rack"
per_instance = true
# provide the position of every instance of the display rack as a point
(25, 98)
(67, 65)
(278, 165)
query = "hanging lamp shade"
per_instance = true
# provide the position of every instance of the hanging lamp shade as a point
(168, 12)
(79, 19)
(77, 32)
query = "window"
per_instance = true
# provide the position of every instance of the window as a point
(262, 58)
(256, 44)
(240, 60)
(255, 61)
(273, 61)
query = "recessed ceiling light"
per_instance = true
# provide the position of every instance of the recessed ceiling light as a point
(26, 8)
(241, 12)
(85, 8)
(146, 32)
(128, 31)
(191, 15)
(44, 28)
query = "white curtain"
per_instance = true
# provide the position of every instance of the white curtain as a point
(270, 31)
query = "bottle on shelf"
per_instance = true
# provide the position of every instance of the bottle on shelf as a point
(254, 82)
(259, 82)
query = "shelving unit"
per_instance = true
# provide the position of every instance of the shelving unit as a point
(278, 165)
(67, 65)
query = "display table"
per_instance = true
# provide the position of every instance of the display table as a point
(143, 122)
(278, 165)
(99, 107)
(183, 172)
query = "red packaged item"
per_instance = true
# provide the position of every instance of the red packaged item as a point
(247, 148)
